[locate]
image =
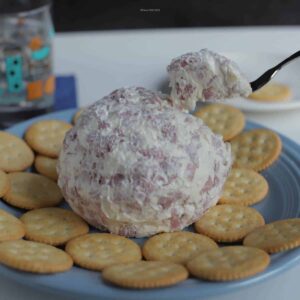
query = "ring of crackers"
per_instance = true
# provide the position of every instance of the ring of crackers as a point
(256, 149)
(244, 187)
(31, 191)
(46, 166)
(222, 119)
(46, 136)
(275, 237)
(53, 225)
(118, 257)
(4, 183)
(229, 263)
(77, 115)
(15, 155)
(229, 223)
(177, 247)
(145, 274)
(11, 228)
(34, 257)
(96, 251)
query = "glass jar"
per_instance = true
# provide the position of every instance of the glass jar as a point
(27, 83)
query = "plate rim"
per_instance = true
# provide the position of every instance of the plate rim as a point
(287, 262)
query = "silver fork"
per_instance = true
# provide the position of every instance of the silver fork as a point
(268, 75)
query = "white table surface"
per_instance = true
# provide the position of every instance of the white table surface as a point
(104, 61)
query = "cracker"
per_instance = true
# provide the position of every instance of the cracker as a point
(244, 187)
(272, 92)
(4, 184)
(77, 115)
(46, 166)
(11, 228)
(53, 225)
(31, 191)
(229, 223)
(145, 274)
(46, 137)
(229, 263)
(34, 257)
(96, 251)
(276, 236)
(177, 247)
(15, 155)
(256, 149)
(222, 119)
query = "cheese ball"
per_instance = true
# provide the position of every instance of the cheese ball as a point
(135, 165)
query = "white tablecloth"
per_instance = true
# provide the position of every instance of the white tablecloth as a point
(104, 61)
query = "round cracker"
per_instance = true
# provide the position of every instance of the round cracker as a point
(46, 137)
(256, 149)
(31, 191)
(15, 155)
(34, 257)
(4, 183)
(229, 263)
(53, 225)
(77, 115)
(244, 187)
(96, 251)
(276, 236)
(229, 223)
(272, 92)
(177, 247)
(46, 166)
(145, 274)
(222, 119)
(11, 228)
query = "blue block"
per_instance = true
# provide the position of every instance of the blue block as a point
(65, 92)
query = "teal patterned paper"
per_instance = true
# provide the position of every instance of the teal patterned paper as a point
(40, 54)
(14, 75)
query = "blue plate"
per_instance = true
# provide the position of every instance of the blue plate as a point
(281, 202)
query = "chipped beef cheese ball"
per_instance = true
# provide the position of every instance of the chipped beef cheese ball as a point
(205, 75)
(136, 166)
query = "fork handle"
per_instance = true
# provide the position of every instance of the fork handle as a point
(287, 60)
(268, 75)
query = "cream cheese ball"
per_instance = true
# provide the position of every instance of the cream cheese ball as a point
(135, 165)
(205, 75)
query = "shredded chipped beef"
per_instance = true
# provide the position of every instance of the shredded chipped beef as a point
(135, 165)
